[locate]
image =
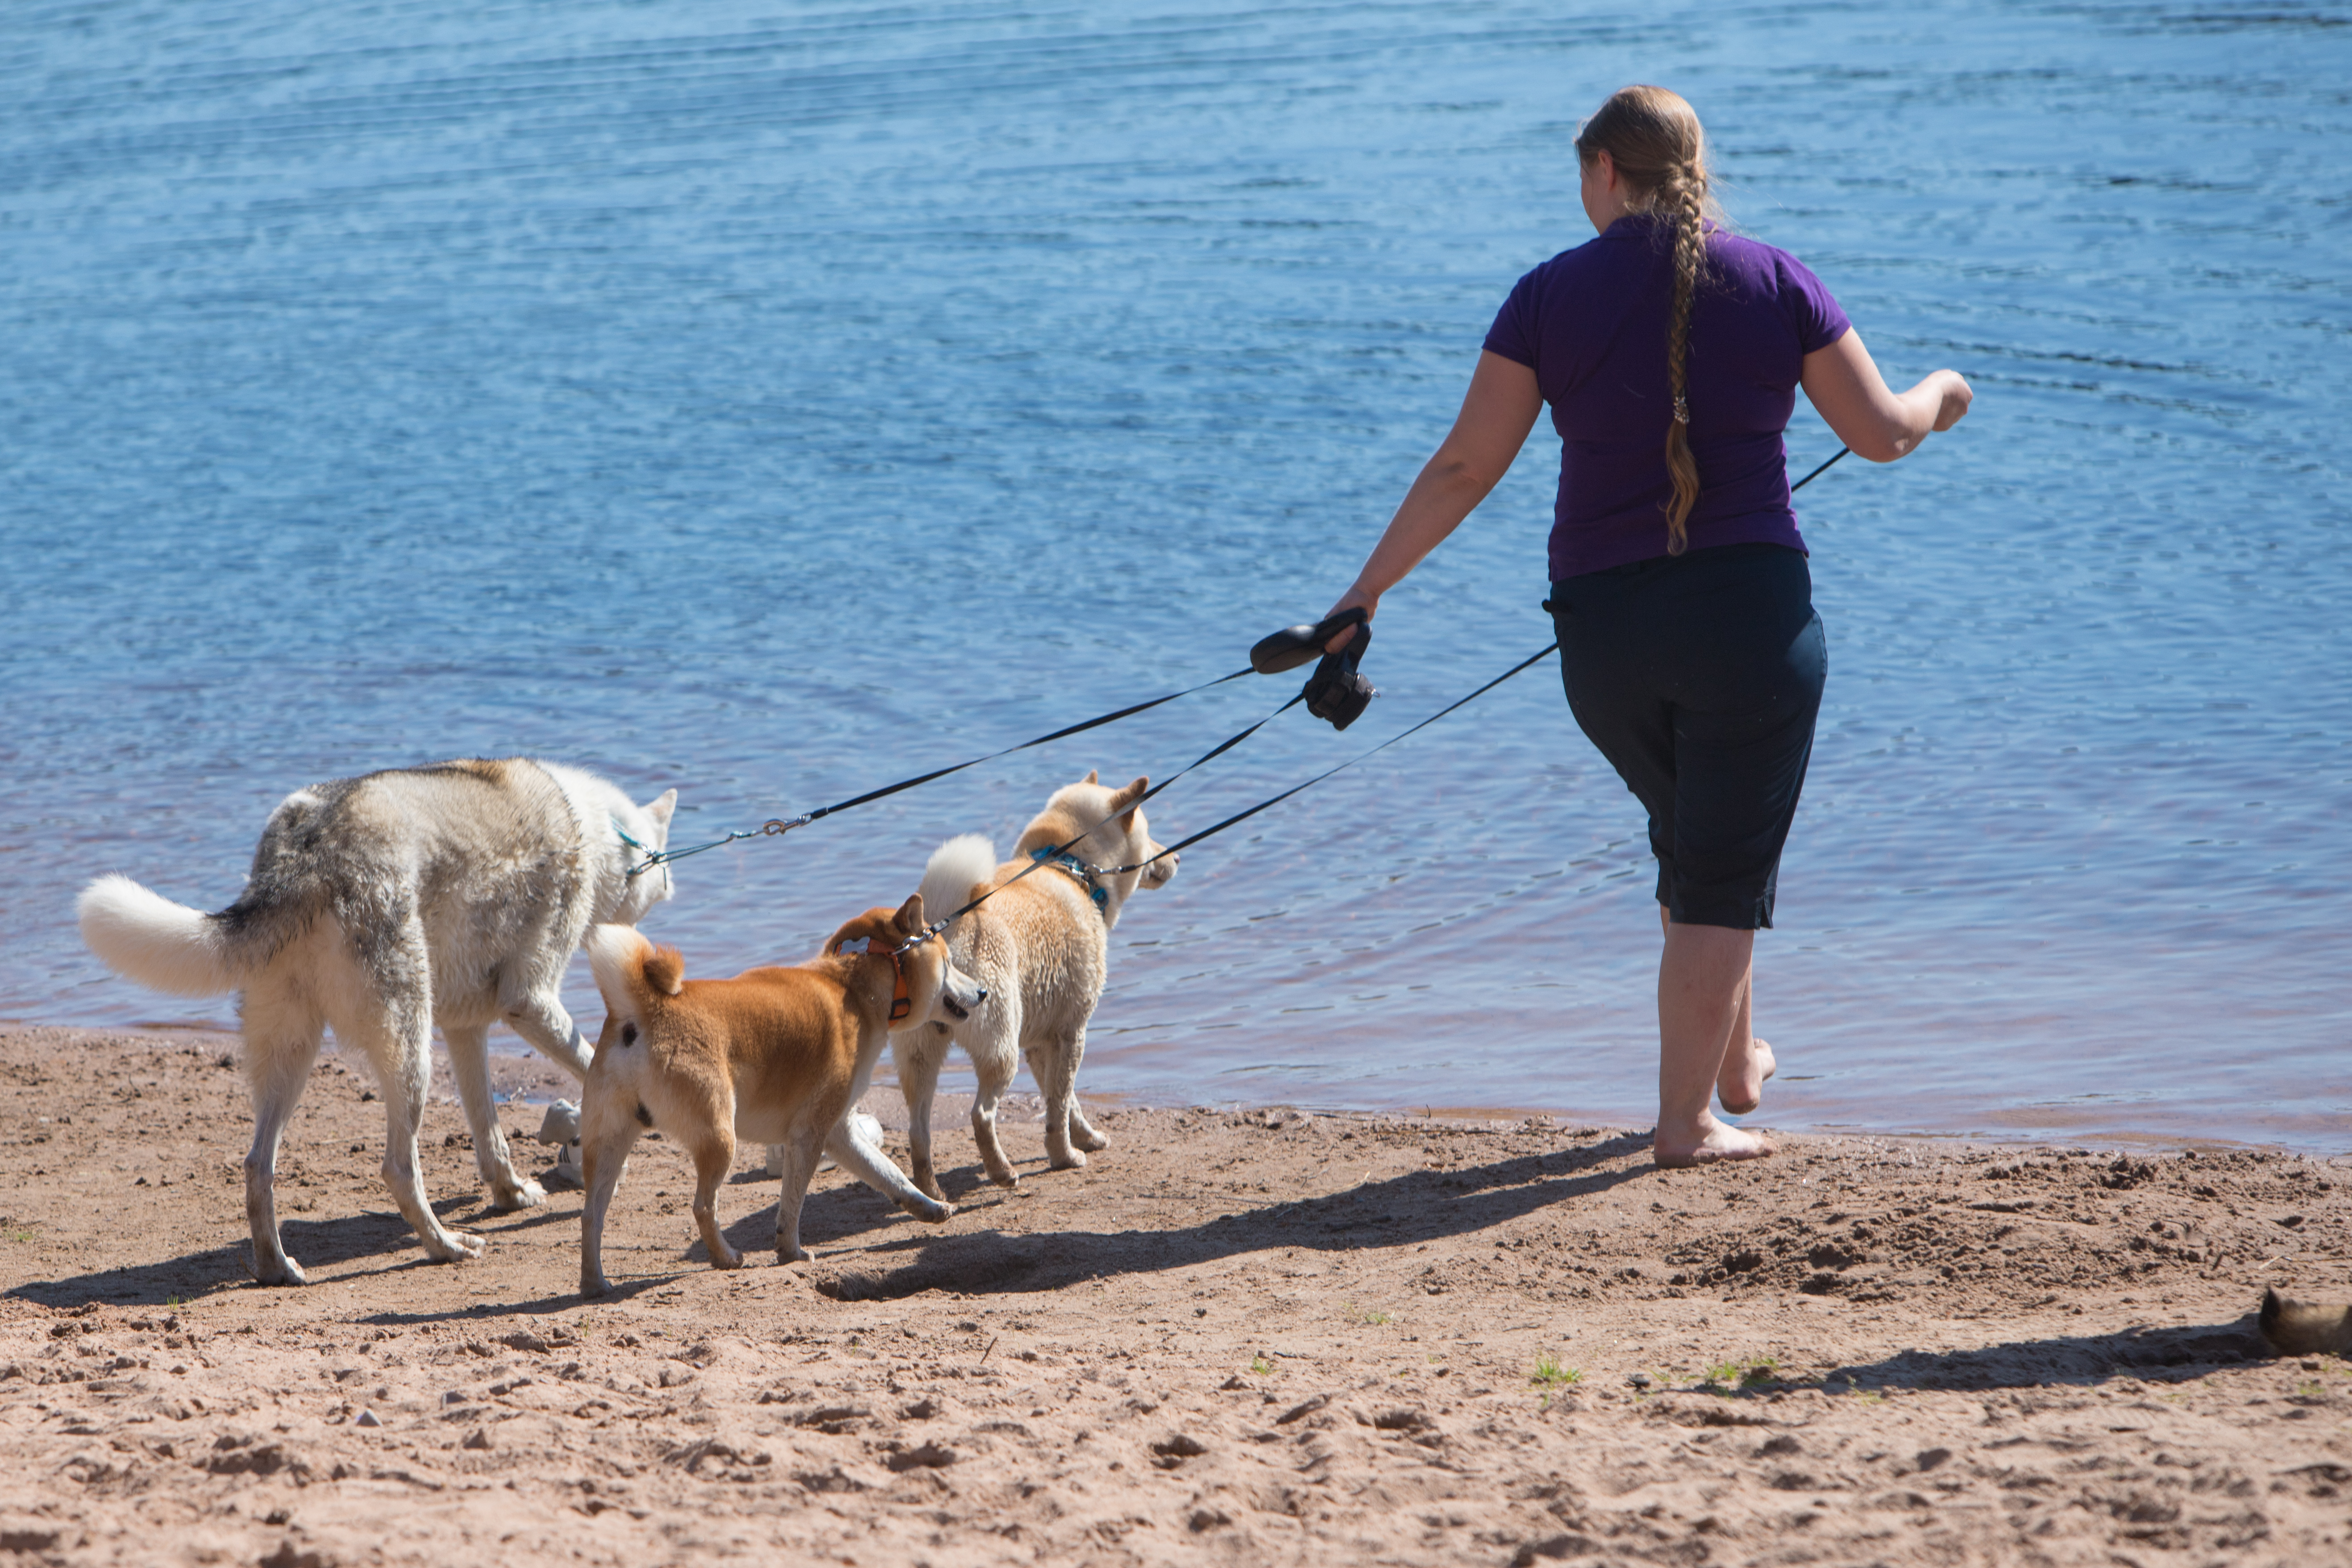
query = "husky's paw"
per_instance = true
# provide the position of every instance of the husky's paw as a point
(1066, 1159)
(284, 1272)
(506, 1198)
(729, 1259)
(787, 1253)
(1086, 1138)
(930, 1211)
(455, 1246)
(595, 1287)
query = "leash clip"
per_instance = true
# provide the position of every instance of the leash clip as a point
(1063, 860)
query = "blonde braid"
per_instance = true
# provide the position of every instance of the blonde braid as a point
(1683, 201)
(1655, 141)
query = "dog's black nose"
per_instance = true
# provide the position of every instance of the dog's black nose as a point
(978, 997)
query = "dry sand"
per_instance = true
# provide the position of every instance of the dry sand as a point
(1260, 1337)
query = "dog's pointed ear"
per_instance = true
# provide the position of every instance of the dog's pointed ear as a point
(1094, 776)
(1125, 801)
(910, 916)
(660, 807)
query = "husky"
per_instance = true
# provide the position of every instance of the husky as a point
(380, 906)
(1042, 950)
(776, 1054)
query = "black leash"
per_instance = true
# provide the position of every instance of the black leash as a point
(1060, 853)
(782, 825)
(1297, 644)
(1041, 858)
(1817, 473)
(1276, 800)
(1305, 637)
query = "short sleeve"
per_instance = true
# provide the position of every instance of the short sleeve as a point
(1811, 306)
(1513, 335)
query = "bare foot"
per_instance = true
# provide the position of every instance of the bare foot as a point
(1716, 1144)
(1742, 1086)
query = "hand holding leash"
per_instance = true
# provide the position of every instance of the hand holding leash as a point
(1335, 693)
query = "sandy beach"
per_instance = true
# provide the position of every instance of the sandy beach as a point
(1263, 1337)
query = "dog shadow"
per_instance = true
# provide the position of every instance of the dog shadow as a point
(1401, 1211)
(325, 1248)
(2152, 1355)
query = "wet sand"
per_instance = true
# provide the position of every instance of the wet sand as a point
(1232, 1338)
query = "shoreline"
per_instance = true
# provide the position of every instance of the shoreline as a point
(523, 1078)
(1232, 1338)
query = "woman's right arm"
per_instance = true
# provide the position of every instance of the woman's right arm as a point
(1497, 412)
(1842, 382)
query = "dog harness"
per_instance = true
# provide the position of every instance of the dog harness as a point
(902, 1001)
(1063, 860)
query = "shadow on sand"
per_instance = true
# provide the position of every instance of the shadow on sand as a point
(318, 1245)
(1419, 1206)
(2152, 1355)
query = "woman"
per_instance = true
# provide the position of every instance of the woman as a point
(1669, 351)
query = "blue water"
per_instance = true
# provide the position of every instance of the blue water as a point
(770, 400)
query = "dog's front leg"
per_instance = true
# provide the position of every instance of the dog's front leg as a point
(877, 1170)
(540, 1017)
(920, 1053)
(469, 1064)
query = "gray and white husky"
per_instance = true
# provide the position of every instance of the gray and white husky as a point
(378, 907)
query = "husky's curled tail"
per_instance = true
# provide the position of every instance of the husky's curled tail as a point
(957, 870)
(169, 947)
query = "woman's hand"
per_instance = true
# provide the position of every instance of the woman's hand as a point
(1497, 412)
(1842, 382)
(1957, 394)
(1353, 596)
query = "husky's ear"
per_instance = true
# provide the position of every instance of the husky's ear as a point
(1124, 802)
(910, 916)
(1094, 776)
(660, 807)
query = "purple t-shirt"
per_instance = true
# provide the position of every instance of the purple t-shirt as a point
(1591, 323)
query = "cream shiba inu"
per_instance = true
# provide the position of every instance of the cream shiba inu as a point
(1041, 949)
(380, 906)
(776, 1055)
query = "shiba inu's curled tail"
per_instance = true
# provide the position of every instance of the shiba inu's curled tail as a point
(145, 936)
(957, 868)
(632, 974)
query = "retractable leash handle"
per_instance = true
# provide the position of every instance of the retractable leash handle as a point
(1336, 693)
(1291, 647)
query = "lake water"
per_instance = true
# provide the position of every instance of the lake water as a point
(774, 399)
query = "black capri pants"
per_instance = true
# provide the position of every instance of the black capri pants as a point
(1699, 677)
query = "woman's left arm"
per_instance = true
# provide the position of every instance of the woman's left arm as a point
(1497, 412)
(1843, 383)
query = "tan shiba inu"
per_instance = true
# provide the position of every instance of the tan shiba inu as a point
(1041, 949)
(777, 1056)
